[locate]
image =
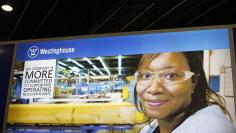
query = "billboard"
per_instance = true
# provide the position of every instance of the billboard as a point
(96, 83)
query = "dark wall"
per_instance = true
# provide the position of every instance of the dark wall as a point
(234, 30)
(6, 55)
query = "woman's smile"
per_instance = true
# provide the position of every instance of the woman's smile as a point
(156, 103)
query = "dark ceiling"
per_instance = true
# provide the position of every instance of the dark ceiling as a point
(33, 19)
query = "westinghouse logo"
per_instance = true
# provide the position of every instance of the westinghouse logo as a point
(34, 51)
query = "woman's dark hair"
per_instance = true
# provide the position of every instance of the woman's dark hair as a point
(203, 95)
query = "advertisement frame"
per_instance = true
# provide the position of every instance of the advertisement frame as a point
(231, 42)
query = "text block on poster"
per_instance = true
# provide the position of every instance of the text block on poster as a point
(38, 79)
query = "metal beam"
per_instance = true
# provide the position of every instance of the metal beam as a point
(45, 18)
(210, 9)
(164, 15)
(19, 19)
(137, 17)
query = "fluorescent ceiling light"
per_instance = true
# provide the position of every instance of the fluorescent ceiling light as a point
(76, 73)
(76, 69)
(7, 7)
(101, 73)
(85, 74)
(89, 61)
(92, 73)
(104, 65)
(98, 70)
(70, 67)
(95, 67)
(62, 67)
(75, 62)
(61, 63)
(61, 75)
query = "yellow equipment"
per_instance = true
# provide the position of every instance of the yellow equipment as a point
(82, 113)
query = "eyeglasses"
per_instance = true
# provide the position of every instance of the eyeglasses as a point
(166, 78)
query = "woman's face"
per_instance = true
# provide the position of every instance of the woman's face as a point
(162, 101)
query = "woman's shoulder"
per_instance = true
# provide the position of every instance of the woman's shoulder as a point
(149, 128)
(207, 120)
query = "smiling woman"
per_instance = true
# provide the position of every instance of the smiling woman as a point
(175, 95)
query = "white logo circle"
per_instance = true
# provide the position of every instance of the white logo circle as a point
(33, 52)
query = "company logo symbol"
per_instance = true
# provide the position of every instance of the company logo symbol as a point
(33, 52)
